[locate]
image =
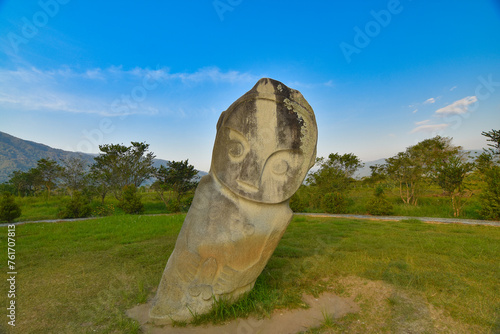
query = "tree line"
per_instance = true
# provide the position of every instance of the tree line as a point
(435, 161)
(118, 170)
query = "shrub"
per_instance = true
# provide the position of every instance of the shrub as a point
(379, 205)
(334, 203)
(173, 205)
(131, 200)
(9, 210)
(77, 207)
(186, 202)
(298, 202)
(103, 210)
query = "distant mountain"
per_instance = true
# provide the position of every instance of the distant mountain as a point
(19, 154)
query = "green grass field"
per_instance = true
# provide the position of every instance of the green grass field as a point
(81, 277)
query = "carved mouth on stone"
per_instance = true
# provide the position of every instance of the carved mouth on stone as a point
(246, 187)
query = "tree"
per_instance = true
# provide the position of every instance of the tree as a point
(48, 171)
(131, 200)
(335, 173)
(378, 173)
(21, 182)
(494, 137)
(417, 164)
(488, 165)
(9, 210)
(73, 175)
(450, 175)
(178, 177)
(408, 174)
(118, 166)
(333, 180)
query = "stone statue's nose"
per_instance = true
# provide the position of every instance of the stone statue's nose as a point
(249, 178)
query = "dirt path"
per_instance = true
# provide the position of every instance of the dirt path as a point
(389, 218)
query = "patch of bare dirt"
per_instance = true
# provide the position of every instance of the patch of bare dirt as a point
(280, 322)
(376, 307)
(387, 309)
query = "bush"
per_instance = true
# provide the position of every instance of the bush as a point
(186, 202)
(334, 203)
(103, 209)
(297, 203)
(379, 205)
(131, 200)
(9, 210)
(173, 205)
(77, 207)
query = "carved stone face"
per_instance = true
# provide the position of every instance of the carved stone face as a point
(265, 143)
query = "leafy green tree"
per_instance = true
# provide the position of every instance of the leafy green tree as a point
(403, 169)
(9, 210)
(26, 183)
(48, 172)
(488, 165)
(332, 181)
(494, 137)
(7, 188)
(21, 182)
(335, 174)
(118, 166)
(178, 177)
(74, 175)
(450, 176)
(417, 164)
(378, 173)
(131, 200)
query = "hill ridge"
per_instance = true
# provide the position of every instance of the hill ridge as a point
(21, 154)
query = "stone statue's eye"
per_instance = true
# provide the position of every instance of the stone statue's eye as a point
(280, 167)
(236, 149)
(238, 146)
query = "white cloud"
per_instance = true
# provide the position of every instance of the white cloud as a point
(453, 88)
(94, 90)
(430, 128)
(429, 101)
(458, 107)
(422, 122)
(329, 83)
(213, 74)
(415, 111)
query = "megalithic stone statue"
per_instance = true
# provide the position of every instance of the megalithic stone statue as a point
(265, 145)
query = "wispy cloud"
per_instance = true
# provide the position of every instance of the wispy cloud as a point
(429, 101)
(423, 122)
(96, 90)
(453, 88)
(430, 128)
(458, 107)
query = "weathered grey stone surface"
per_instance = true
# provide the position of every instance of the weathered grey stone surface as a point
(265, 144)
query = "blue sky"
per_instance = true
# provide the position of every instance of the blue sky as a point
(380, 75)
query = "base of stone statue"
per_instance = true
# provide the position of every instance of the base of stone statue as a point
(281, 321)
